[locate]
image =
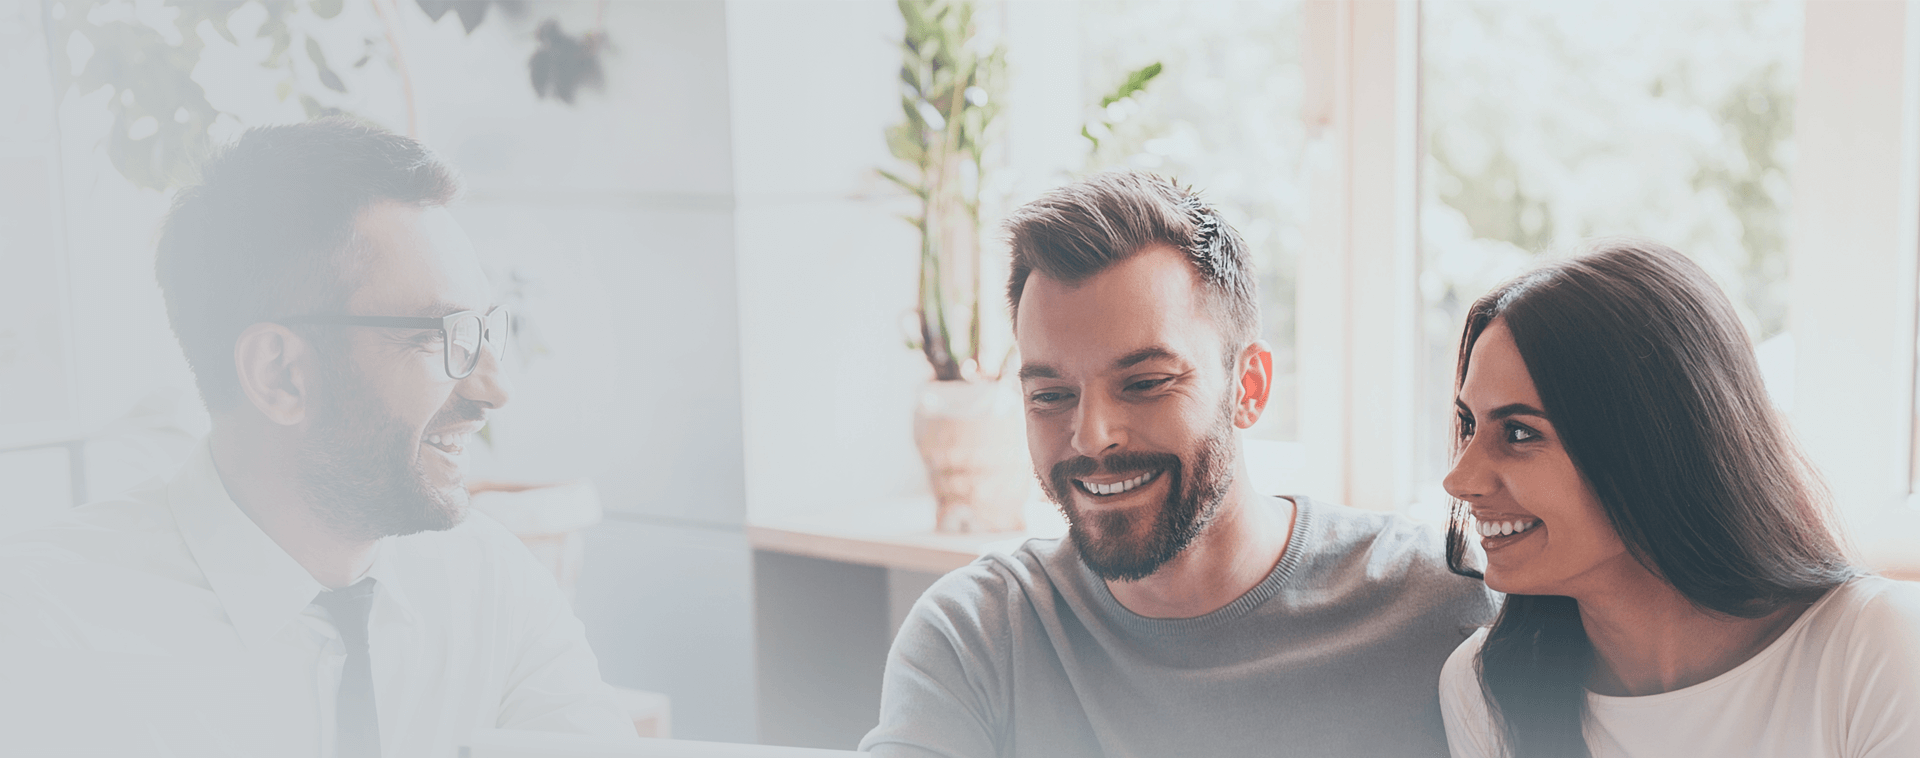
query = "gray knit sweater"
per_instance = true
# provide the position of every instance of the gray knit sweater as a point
(1336, 653)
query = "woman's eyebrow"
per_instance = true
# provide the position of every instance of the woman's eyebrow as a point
(1505, 411)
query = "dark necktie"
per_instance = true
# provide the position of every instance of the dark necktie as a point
(356, 723)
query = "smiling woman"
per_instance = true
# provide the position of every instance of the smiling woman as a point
(1672, 576)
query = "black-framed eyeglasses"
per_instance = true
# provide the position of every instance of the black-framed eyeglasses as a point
(462, 333)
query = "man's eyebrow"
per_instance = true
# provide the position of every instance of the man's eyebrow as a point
(439, 309)
(1037, 371)
(1505, 411)
(1143, 355)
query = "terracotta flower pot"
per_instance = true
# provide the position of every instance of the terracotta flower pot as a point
(972, 437)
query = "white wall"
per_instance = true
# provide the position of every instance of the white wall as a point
(1857, 213)
(827, 278)
(618, 212)
(827, 269)
(827, 273)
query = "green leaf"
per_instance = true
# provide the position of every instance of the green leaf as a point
(471, 14)
(276, 30)
(902, 144)
(327, 77)
(1136, 82)
(435, 8)
(220, 26)
(910, 186)
(326, 8)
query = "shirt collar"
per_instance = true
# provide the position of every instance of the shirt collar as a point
(260, 586)
(386, 571)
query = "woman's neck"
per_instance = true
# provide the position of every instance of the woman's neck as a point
(1648, 638)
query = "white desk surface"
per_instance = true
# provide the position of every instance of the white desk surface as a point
(496, 743)
(895, 534)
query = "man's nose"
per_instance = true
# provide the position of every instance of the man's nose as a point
(488, 385)
(1099, 426)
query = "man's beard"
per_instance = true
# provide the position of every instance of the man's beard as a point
(361, 468)
(1106, 540)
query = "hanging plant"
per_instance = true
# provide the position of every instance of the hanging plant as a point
(161, 115)
(563, 64)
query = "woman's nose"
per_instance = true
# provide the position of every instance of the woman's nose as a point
(1469, 479)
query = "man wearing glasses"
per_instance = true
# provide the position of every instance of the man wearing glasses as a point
(314, 559)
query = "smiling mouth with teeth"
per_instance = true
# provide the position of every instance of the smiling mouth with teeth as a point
(1116, 487)
(452, 443)
(1496, 529)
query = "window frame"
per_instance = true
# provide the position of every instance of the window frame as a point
(1853, 408)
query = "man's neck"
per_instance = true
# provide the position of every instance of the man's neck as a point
(1648, 638)
(263, 483)
(1231, 556)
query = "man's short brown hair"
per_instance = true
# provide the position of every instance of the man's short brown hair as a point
(269, 232)
(1074, 232)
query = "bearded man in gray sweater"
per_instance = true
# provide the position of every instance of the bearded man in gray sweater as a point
(1185, 614)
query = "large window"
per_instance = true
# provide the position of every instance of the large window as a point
(1548, 123)
(1223, 116)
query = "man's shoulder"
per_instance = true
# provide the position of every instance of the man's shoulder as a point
(130, 530)
(997, 586)
(999, 576)
(1378, 553)
(478, 555)
(85, 567)
(478, 537)
(1382, 538)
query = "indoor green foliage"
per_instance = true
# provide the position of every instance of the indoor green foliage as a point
(950, 96)
(561, 65)
(160, 114)
(1135, 83)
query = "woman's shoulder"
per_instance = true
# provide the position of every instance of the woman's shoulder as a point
(1463, 706)
(1865, 653)
(1875, 616)
(1872, 610)
(1461, 674)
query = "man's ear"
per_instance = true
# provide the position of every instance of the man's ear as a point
(1255, 367)
(273, 365)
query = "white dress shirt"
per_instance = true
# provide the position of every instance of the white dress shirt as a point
(166, 623)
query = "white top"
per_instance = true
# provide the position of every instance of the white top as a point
(1842, 682)
(166, 623)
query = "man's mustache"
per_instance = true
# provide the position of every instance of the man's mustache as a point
(1116, 463)
(461, 410)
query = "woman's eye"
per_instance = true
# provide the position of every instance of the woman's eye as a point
(1466, 427)
(1518, 433)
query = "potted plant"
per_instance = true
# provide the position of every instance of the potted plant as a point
(968, 427)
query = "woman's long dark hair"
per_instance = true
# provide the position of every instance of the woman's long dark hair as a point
(1651, 384)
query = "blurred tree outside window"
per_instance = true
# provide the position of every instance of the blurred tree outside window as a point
(1223, 115)
(1548, 123)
